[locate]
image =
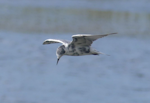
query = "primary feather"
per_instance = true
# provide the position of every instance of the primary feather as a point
(86, 39)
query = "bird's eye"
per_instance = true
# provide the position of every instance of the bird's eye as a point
(75, 39)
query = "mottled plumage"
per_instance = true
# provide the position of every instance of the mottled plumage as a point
(81, 45)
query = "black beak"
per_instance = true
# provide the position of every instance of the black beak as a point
(57, 61)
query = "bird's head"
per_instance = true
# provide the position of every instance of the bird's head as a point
(60, 52)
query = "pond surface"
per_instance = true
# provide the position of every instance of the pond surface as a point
(29, 73)
(127, 17)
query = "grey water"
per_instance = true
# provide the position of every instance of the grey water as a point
(28, 70)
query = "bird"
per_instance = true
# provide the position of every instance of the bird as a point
(80, 45)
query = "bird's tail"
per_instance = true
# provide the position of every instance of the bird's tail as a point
(95, 52)
(103, 53)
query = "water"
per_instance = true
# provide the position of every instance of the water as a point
(124, 17)
(29, 73)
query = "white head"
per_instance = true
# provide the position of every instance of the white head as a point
(60, 52)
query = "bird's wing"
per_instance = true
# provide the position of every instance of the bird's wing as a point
(86, 39)
(51, 41)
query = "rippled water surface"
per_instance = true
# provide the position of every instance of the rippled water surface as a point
(125, 17)
(29, 73)
(28, 70)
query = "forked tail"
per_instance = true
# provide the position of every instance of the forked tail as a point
(95, 52)
(103, 53)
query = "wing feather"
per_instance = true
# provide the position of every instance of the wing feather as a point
(86, 39)
(51, 41)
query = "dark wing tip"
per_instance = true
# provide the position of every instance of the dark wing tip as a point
(45, 42)
(110, 34)
(114, 33)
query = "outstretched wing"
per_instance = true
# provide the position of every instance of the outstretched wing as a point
(51, 41)
(86, 39)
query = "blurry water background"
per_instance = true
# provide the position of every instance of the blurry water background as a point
(28, 71)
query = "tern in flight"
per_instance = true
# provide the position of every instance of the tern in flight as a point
(81, 45)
